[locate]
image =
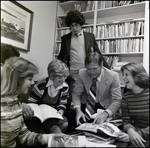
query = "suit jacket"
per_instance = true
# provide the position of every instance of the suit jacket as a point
(90, 41)
(108, 90)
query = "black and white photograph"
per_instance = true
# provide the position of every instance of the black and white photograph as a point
(75, 73)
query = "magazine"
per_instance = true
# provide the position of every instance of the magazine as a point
(105, 127)
(67, 141)
(99, 137)
(44, 112)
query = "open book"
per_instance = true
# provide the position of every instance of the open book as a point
(44, 112)
(67, 141)
(106, 127)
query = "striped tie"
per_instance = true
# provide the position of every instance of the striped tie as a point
(90, 105)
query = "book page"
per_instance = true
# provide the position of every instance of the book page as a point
(109, 129)
(88, 127)
(37, 112)
(67, 141)
(49, 112)
(93, 144)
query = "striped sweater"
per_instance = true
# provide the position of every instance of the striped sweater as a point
(13, 127)
(40, 89)
(135, 112)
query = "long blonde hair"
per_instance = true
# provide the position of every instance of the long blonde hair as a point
(13, 70)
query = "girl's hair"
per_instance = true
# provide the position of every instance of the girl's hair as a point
(138, 73)
(8, 51)
(57, 68)
(93, 57)
(14, 71)
(74, 16)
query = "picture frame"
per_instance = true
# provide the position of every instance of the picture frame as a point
(16, 25)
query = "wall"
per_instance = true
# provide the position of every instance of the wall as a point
(146, 39)
(42, 37)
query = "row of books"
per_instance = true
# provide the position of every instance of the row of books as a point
(116, 46)
(88, 29)
(121, 45)
(61, 22)
(90, 5)
(107, 4)
(60, 33)
(111, 60)
(120, 29)
(85, 6)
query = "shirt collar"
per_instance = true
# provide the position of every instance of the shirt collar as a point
(99, 77)
(50, 83)
(80, 33)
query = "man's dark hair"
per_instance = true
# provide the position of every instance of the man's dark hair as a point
(74, 16)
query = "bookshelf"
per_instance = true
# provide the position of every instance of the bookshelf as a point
(118, 26)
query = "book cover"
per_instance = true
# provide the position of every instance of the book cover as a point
(98, 137)
(67, 141)
(106, 127)
(44, 112)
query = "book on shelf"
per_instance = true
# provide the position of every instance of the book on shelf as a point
(67, 141)
(108, 4)
(44, 112)
(105, 127)
(118, 65)
(121, 29)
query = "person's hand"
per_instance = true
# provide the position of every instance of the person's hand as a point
(135, 138)
(61, 112)
(100, 118)
(27, 111)
(47, 136)
(122, 136)
(79, 115)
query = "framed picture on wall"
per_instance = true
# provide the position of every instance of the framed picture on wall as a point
(16, 25)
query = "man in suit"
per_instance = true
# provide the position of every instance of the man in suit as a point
(108, 92)
(74, 48)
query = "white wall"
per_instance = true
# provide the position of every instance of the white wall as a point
(42, 37)
(146, 39)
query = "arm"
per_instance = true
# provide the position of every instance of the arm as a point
(63, 51)
(77, 93)
(144, 132)
(29, 138)
(126, 116)
(63, 99)
(115, 92)
(76, 100)
(37, 91)
(115, 100)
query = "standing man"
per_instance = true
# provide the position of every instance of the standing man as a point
(104, 94)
